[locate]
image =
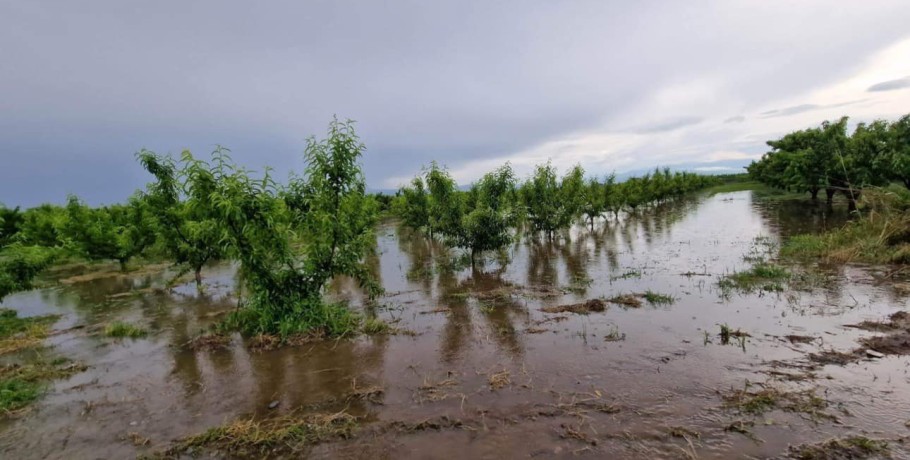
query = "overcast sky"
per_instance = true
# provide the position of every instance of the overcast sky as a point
(613, 85)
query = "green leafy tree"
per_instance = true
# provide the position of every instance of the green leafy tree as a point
(899, 164)
(571, 196)
(42, 226)
(10, 224)
(593, 203)
(20, 264)
(332, 233)
(338, 227)
(612, 197)
(118, 232)
(189, 231)
(488, 226)
(826, 157)
(541, 197)
(446, 204)
(414, 208)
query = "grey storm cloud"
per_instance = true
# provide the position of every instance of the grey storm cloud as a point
(84, 85)
(668, 125)
(791, 110)
(802, 108)
(890, 85)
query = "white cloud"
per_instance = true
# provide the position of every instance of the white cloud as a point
(640, 139)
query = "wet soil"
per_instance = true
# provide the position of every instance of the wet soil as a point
(498, 362)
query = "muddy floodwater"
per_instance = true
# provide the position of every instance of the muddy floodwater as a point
(480, 367)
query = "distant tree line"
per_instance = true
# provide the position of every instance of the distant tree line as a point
(497, 208)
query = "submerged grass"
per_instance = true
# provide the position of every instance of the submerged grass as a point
(764, 276)
(22, 384)
(119, 329)
(253, 438)
(853, 447)
(17, 333)
(766, 399)
(595, 305)
(626, 300)
(375, 326)
(579, 284)
(656, 298)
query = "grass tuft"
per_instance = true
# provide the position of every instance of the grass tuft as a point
(656, 298)
(120, 329)
(254, 438)
(22, 384)
(769, 398)
(853, 447)
(763, 276)
(17, 333)
(376, 326)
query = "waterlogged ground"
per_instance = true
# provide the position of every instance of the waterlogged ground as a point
(478, 369)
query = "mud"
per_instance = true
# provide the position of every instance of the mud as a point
(486, 371)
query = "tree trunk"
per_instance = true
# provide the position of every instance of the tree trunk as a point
(122, 264)
(198, 275)
(829, 192)
(852, 198)
(814, 192)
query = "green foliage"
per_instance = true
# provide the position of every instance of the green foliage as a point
(10, 224)
(479, 220)
(898, 160)
(486, 217)
(337, 229)
(42, 225)
(118, 232)
(189, 232)
(827, 158)
(593, 203)
(446, 203)
(16, 393)
(331, 219)
(551, 204)
(414, 206)
(613, 201)
(488, 226)
(20, 264)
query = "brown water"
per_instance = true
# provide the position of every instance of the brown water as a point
(470, 326)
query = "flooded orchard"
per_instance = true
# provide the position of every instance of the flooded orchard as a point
(618, 341)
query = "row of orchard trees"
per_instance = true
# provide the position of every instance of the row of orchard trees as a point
(288, 239)
(495, 209)
(827, 158)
